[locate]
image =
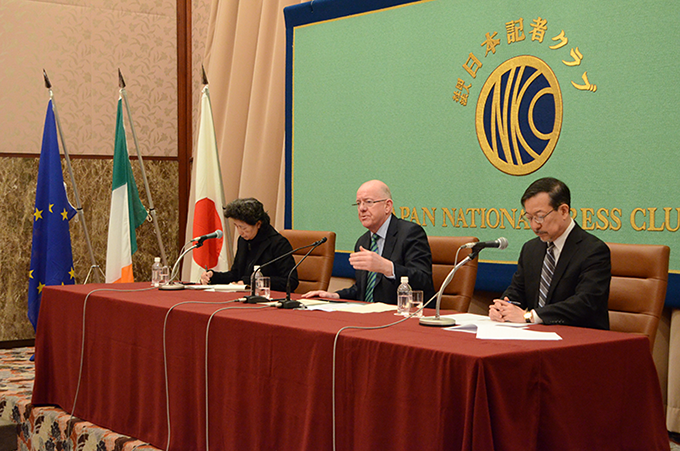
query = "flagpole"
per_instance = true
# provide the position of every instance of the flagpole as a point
(152, 210)
(227, 228)
(94, 267)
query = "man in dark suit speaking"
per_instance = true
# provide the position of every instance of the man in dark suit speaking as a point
(390, 249)
(563, 275)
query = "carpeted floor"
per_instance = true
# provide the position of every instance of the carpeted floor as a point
(16, 372)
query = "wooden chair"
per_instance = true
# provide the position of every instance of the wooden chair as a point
(315, 272)
(458, 293)
(638, 287)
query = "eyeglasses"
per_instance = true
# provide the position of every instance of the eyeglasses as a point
(538, 219)
(367, 203)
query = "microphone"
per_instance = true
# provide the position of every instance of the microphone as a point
(288, 303)
(216, 234)
(501, 243)
(253, 299)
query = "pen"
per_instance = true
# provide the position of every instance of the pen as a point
(514, 303)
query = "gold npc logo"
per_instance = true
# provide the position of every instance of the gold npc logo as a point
(519, 115)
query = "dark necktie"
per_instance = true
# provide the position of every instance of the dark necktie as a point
(370, 279)
(546, 274)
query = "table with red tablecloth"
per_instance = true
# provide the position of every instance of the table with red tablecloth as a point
(270, 378)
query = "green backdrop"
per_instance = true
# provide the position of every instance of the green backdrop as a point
(391, 91)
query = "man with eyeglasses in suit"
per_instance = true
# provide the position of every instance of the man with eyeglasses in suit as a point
(563, 275)
(391, 248)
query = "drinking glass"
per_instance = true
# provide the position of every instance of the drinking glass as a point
(165, 275)
(416, 304)
(263, 287)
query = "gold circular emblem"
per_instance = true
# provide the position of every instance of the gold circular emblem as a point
(519, 115)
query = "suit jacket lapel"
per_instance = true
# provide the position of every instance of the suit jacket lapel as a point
(568, 252)
(390, 238)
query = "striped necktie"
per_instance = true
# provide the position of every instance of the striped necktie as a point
(546, 274)
(370, 278)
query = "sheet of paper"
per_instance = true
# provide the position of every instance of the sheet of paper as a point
(469, 321)
(313, 302)
(497, 332)
(468, 318)
(490, 330)
(354, 307)
(223, 287)
(469, 328)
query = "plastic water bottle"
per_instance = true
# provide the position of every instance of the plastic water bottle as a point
(156, 272)
(403, 297)
(255, 279)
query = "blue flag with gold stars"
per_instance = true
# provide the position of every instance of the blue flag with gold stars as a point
(51, 255)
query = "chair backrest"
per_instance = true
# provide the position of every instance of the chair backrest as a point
(638, 287)
(458, 293)
(315, 272)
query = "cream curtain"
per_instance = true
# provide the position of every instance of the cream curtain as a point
(245, 63)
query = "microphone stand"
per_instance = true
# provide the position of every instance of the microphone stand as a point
(176, 285)
(253, 298)
(289, 303)
(436, 320)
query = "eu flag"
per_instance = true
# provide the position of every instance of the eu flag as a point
(51, 256)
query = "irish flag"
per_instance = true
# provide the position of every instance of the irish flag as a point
(207, 198)
(127, 211)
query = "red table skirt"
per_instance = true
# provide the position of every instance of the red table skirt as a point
(269, 378)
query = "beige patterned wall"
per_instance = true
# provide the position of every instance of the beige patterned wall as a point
(81, 44)
(18, 177)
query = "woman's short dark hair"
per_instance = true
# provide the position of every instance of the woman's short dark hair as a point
(558, 191)
(249, 210)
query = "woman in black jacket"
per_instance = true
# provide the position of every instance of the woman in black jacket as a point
(258, 244)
